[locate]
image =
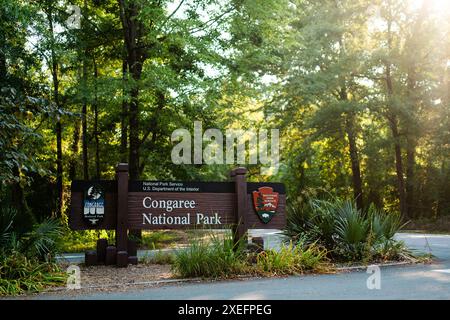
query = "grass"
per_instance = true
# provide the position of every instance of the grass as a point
(210, 259)
(292, 259)
(160, 239)
(219, 257)
(80, 241)
(20, 275)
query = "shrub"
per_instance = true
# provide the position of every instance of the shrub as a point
(19, 274)
(346, 232)
(291, 259)
(352, 231)
(211, 258)
(219, 257)
(26, 259)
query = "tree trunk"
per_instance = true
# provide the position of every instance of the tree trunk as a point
(410, 176)
(399, 166)
(58, 126)
(132, 29)
(356, 171)
(353, 153)
(75, 150)
(96, 133)
(393, 123)
(84, 122)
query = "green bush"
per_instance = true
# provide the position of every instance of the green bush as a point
(39, 243)
(26, 258)
(346, 232)
(20, 274)
(211, 258)
(291, 259)
(219, 258)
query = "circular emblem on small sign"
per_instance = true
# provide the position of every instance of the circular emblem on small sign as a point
(94, 204)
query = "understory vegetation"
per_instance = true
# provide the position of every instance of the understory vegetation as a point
(348, 234)
(319, 235)
(221, 257)
(27, 258)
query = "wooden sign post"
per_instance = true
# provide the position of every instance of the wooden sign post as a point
(124, 204)
(240, 228)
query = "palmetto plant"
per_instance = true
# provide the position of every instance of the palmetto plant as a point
(352, 230)
(25, 258)
(38, 243)
(346, 232)
(41, 241)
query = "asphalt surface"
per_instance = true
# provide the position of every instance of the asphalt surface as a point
(423, 281)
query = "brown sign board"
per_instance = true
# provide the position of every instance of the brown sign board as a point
(123, 205)
(176, 205)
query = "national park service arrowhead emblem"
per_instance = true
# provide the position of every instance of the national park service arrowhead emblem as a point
(265, 202)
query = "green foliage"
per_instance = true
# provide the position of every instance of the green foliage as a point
(211, 259)
(26, 259)
(222, 258)
(79, 241)
(346, 232)
(39, 243)
(292, 259)
(20, 274)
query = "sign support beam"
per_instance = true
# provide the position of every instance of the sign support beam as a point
(241, 227)
(122, 211)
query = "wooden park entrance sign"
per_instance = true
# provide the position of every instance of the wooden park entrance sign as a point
(124, 205)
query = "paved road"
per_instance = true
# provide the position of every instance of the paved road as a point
(430, 281)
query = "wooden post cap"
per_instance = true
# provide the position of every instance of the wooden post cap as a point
(238, 171)
(122, 167)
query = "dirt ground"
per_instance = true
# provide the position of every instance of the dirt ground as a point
(110, 278)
